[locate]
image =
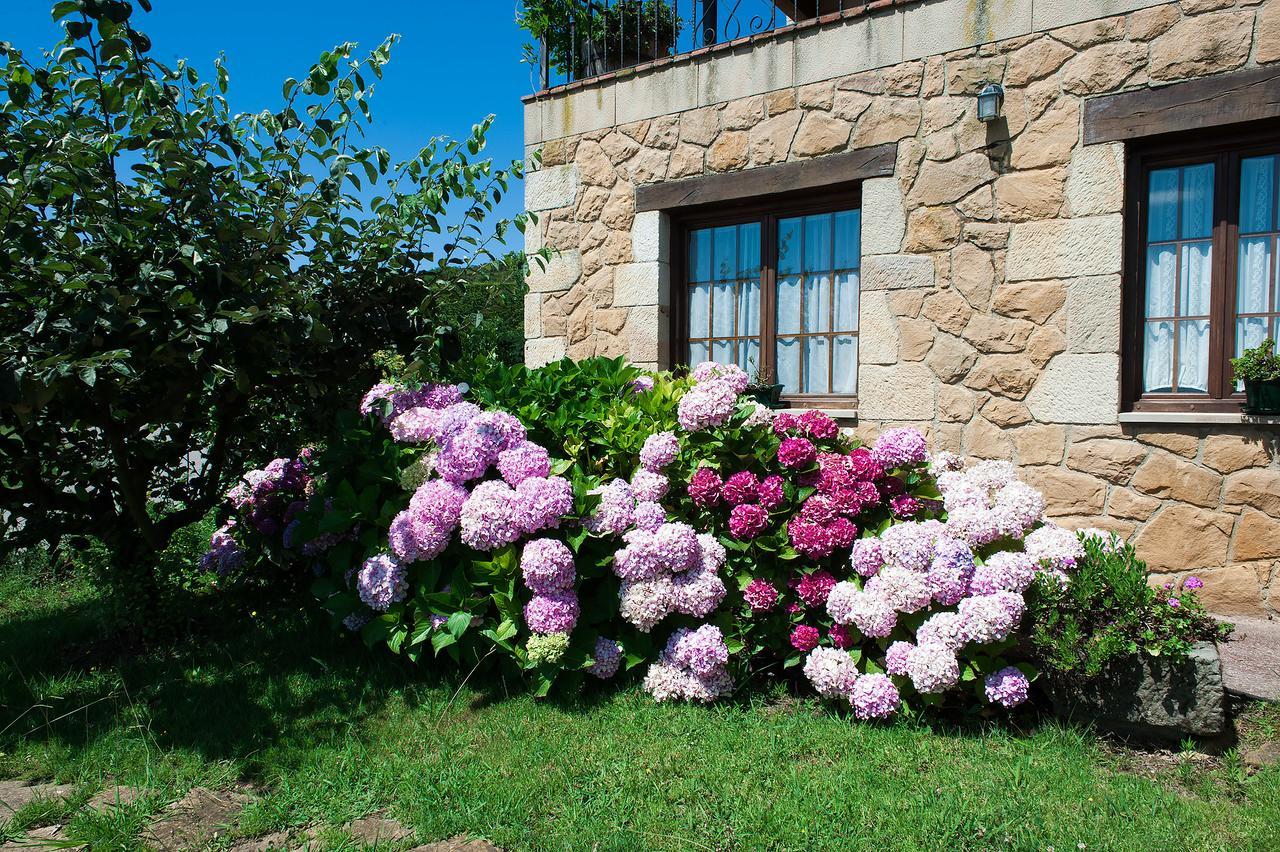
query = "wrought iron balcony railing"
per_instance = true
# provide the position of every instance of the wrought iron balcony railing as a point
(582, 39)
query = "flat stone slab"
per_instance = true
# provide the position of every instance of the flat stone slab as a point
(268, 843)
(113, 797)
(195, 820)
(50, 836)
(1251, 660)
(377, 828)
(16, 794)
(458, 844)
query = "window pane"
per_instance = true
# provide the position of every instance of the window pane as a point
(1157, 368)
(1162, 277)
(790, 242)
(699, 310)
(724, 352)
(749, 250)
(816, 365)
(1162, 206)
(1197, 268)
(817, 242)
(749, 307)
(817, 302)
(1257, 191)
(847, 301)
(700, 256)
(788, 305)
(1254, 281)
(698, 353)
(845, 377)
(848, 239)
(1250, 331)
(1197, 201)
(788, 353)
(1193, 356)
(723, 307)
(725, 253)
(749, 357)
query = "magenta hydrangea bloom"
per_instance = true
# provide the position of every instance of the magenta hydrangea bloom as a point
(874, 696)
(556, 612)
(814, 588)
(841, 636)
(747, 521)
(805, 638)
(608, 658)
(547, 565)
(704, 487)
(760, 595)
(770, 492)
(381, 582)
(810, 538)
(831, 672)
(742, 487)
(818, 424)
(648, 485)
(784, 422)
(795, 453)
(522, 461)
(659, 450)
(1008, 687)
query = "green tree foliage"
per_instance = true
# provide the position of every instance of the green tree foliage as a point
(184, 289)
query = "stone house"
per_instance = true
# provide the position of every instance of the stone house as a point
(1061, 286)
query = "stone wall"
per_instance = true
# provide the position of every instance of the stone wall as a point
(991, 269)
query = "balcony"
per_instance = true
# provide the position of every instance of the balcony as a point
(592, 40)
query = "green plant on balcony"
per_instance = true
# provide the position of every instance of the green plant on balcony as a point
(1259, 369)
(584, 39)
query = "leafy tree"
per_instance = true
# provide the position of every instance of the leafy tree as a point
(184, 289)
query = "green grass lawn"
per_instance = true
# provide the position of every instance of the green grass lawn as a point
(328, 732)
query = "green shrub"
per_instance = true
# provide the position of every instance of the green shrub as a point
(1109, 610)
(1259, 364)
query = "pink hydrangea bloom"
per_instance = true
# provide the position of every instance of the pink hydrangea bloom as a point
(547, 565)
(489, 517)
(895, 657)
(900, 447)
(698, 592)
(874, 696)
(831, 672)
(541, 503)
(760, 595)
(555, 612)
(932, 669)
(676, 546)
(617, 508)
(795, 453)
(866, 558)
(522, 461)
(1007, 687)
(649, 515)
(731, 374)
(706, 405)
(381, 582)
(704, 487)
(648, 486)
(659, 450)
(702, 651)
(644, 603)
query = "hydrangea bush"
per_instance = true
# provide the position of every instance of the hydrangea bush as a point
(588, 519)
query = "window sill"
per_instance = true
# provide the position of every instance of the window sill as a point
(1198, 418)
(841, 413)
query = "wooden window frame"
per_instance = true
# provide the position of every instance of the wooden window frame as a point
(1166, 152)
(767, 211)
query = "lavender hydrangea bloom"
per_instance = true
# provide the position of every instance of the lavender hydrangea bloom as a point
(659, 450)
(556, 612)
(698, 592)
(358, 619)
(874, 697)
(423, 530)
(642, 384)
(895, 658)
(932, 668)
(617, 507)
(1054, 547)
(676, 547)
(831, 672)
(547, 566)
(541, 503)
(648, 486)
(910, 545)
(711, 403)
(608, 658)
(1007, 687)
(644, 603)
(711, 552)
(867, 558)
(1006, 571)
(381, 582)
(948, 629)
(702, 651)
(950, 572)
(375, 394)
(730, 374)
(900, 447)
(991, 618)
(523, 461)
(224, 554)
(649, 515)
(489, 517)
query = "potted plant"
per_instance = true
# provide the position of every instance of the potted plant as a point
(1259, 369)
(762, 388)
(588, 39)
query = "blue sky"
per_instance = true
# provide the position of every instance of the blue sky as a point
(455, 64)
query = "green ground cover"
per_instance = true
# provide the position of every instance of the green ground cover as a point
(328, 732)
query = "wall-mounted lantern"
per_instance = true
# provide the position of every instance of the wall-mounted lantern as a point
(990, 101)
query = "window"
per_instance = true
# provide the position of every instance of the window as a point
(775, 291)
(1203, 279)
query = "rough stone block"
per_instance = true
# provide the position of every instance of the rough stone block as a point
(533, 123)
(559, 273)
(1093, 314)
(898, 392)
(1077, 389)
(549, 188)
(543, 350)
(884, 221)
(1095, 180)
(641, 284)
(878, 330)
(1184, 538)
(532, 315)
(1155, 697)
(897, 272)
(1065, 248)
(579, 111)
(649, 233)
